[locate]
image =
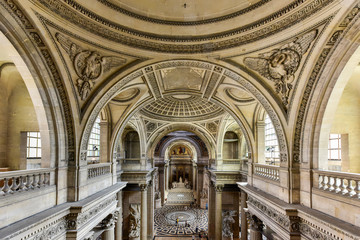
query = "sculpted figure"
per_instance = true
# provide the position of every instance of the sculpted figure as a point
(228, 220)
(88, 65)
(279, 65)
(134, 221)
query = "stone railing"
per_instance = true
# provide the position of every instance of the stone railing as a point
(341, 183)
(131, 160)
(242, 163)
(96, 170)
(24, 180)
(267, 171)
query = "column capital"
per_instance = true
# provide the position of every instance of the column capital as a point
(143, 187)
(219, 188)
(110, 220)
(255, 223)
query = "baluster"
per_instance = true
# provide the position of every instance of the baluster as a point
(6, 189)
(14, 186)
(342, 185)
(35, 181)
(48, 175)
(22, 186)
(320, 186)
(348, 188)
(331, 184)
(29, 182)
(357, 191)
(327, 184)
(1, 188)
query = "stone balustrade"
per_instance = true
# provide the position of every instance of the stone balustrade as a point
(132, 160)
(340, 183)
(96, 170)
(23, 180)
(267, 171)
(242, 163)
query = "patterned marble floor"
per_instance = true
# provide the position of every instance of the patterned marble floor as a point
(164, 226)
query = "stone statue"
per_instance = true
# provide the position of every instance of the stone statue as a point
(180, 180)
(204, 194)
(228, 220)
(173, 184)
(134, 221)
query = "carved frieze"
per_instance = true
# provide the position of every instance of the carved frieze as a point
(89, 65)
(280, 65)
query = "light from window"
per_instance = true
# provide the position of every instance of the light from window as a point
(94, 141)
(33, 145)
(334, 148)
(272, 152)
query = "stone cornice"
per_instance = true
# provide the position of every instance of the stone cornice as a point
(225, 177)
(138, 176)
(296, 219)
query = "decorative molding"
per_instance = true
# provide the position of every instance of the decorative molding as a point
(280, 65)
(76, 220)
(186, 23)
(49, 231)
(88, 65)
(279, 218)
(118, 36)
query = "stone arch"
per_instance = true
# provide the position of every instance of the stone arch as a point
(183, 142)
(325, 75)
(196, 147)
(163, 131)
(200, 64)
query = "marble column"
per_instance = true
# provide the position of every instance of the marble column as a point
(256, 227)
(143, 221)
(150, 209)
(108, 224)
(119, 222)
(211, 212)
(193, 178)
(108, 233)
(218, 212)
(166, 178)
(244, 223)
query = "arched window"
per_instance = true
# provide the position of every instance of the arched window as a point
(93, 153)
(271, 143)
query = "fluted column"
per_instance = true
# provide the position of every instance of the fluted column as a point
(218, 212)
(256, 227)
(143, 221)
(244, 224)
(118, 225)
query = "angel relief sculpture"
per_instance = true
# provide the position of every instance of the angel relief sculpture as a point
(88, 65)
(279, 65)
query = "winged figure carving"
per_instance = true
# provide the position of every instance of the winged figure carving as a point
(279, 65)
(88, 65)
